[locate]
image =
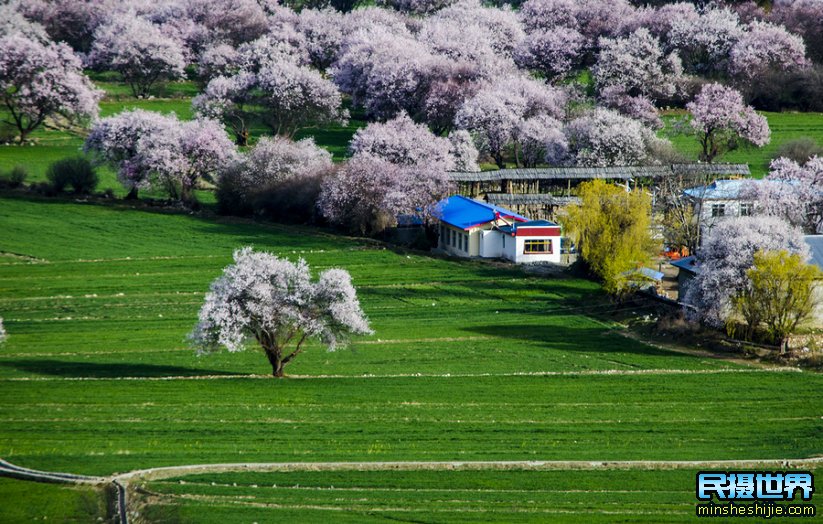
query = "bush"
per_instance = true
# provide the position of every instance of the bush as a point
(76, 172)
(15, 178)
(799, 150)
(293, 200)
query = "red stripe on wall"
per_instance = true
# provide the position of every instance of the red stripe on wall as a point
(538, 231)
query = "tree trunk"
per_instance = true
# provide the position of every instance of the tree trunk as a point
(275, 357)
(132, 194)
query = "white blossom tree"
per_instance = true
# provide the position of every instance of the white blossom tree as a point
(722, 122)
(138, 50)
(43, 82)
(605, 138)
(402, 142)
(3, 335)
(793, 192)
(151, 149)
(766, 47)
(727, 252)
(275, 303)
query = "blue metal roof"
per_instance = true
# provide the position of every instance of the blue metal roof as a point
(465, 213)
(687, 263)
(719, 190)
(512, 229)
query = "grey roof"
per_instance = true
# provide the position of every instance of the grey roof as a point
(587, 173)
(815, 243)
(508, 199)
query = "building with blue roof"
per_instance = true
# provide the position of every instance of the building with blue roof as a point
(721, 199)
(471, 228)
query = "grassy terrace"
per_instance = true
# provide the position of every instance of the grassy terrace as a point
(108, 293)
(422, 496)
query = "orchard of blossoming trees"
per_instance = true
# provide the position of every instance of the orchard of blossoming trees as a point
(445, 84)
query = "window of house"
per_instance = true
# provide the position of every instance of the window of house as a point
(746, 209)
(464, 239)
(718, 210)
(504, 241)
(543, 246)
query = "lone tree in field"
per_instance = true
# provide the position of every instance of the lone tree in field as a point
(275, 302)
(3, 336)
(722, 122)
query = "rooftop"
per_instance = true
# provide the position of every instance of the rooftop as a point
(532, 223)
(611, 172)
(720, 190)
(687, 264)
(465, 213)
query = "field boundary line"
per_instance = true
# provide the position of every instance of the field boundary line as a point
(585, 373)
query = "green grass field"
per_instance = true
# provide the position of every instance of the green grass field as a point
(468, 362)
(425, 496)
(784, 127)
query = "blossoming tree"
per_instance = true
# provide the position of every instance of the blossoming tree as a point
(43, 82)
(722, 122)
(276, 303)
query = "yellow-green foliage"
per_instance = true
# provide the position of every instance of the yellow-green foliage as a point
(611, 227)
(780, 295)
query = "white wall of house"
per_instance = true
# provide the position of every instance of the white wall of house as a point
(522, 257)
(491, 244)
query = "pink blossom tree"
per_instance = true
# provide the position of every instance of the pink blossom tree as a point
(463, 151)
(185, 153)
(802, 17)
(384, 72)
(273, 160)
(722, 122)
(283, 94)
(418, 7)
(727, 252)
(540, 139)
(40, 83)
(704, 44)
(367, 194)
(275, 303)
(402, 142)
(154, 150)
(116, 141)
(495, 112)
(13, 21)
(606, 138)
(793, 192)
(138, 50)
(554, 53)
(636, 65)
(766, 47)
(323, 32)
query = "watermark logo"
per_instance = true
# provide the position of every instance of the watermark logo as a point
(757, 493)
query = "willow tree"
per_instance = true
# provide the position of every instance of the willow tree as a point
(611, 227)
(779, 296)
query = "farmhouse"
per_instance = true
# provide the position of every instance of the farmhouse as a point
(720, 200)
(470, 228)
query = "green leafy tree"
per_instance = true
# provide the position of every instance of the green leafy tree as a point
(611, 227)
(779, 296)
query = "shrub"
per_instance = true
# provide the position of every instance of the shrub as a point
(76, 172)
(778, 91)
(15, 178)
(293, 200)
(799, 150)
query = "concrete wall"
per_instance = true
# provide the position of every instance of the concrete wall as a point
(523, 258)
(491, 244)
